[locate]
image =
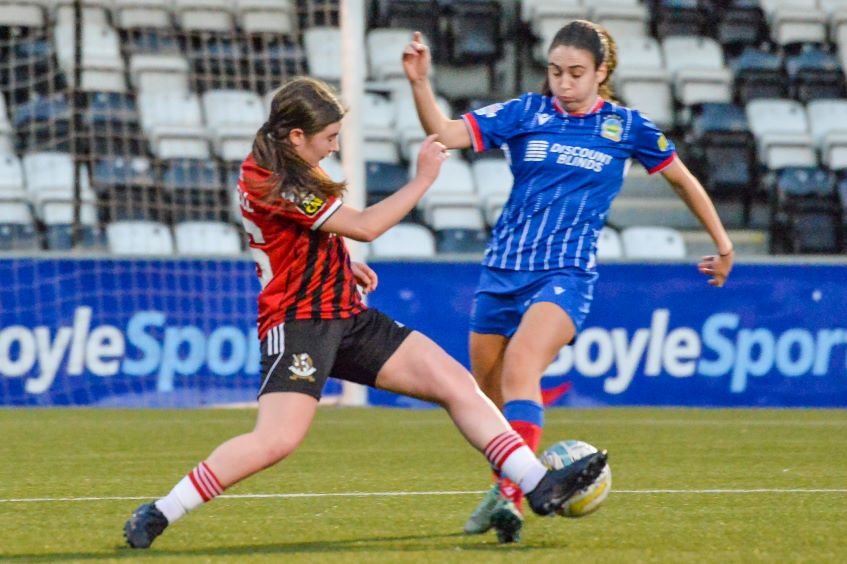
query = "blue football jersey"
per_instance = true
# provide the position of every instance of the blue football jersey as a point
(567, 170)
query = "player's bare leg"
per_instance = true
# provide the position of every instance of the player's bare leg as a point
(421, 369)
(282, 423)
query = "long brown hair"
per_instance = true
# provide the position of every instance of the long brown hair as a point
(301, 103)
(595, 39)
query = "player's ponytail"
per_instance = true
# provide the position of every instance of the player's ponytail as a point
(610, 57)
(595, 39)
(302, 103)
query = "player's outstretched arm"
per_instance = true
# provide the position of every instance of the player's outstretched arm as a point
(368, 224)
(417, 62)
(686, 185)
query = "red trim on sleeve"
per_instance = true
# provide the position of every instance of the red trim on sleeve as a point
(663, 165)
(476, 134)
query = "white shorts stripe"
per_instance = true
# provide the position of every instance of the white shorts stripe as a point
(276, 346)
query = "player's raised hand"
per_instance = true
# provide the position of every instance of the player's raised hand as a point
(416, 58)
(717, 267)
(365, 276)
(430, 157)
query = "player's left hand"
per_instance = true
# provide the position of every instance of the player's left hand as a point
(365, 276)
(717, 268)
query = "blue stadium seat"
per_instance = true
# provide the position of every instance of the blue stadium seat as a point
(420, 15)
(806, 213)
(195, 190)
(677, 17)
(474, 31)
(814, 74)
(738, 24)
(42, 123)
(127, 189)
(461, 241)
(383, 179)
(112, 125)
(216, 60)
(724, 152)
(758, 74)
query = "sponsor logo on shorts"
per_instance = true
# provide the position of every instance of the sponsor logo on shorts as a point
(302, 367)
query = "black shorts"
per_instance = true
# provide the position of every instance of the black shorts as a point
(299, 355)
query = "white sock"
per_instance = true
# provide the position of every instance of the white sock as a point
(509, 454)
(195, 489)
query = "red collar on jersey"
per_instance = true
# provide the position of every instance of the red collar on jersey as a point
(596, 107)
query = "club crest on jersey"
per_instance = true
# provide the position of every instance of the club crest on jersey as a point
(611, 129)
(311, 204)
(302, 367)
(662, 142)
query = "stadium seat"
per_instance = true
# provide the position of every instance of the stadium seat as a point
(232, 118)
(207, 238)
(642, 81)
(94, 12)
(642, 242)
(12, 185)
(678, 18)
(112, 125)
(136, 238)
(697, 69)
(102, 64)
(173, 121)
(50, 182)
(22, 15)
(43, 123)
(782, 133)
(323, 52)
(194, 189)
(383, 179)
(378, 118)
(404, 240)
(622, 18)
(408, 126)
(795, 21)
(669, 211)
(473, 32)
(29, 68)
(383, 47)
(828, 124)
(758, 74)
(493, 180)
(58, 222)
(150, 72)
(204, 15)
(267, 16)
(270, 60)
(740, 23)
(127, 189)
(458, 229)
(806, 212)
(17, 231)
(724, 153)
(420, 15)
(546, 17)
(609, 244)
(216, 59)
(146, 14)
(814, 73)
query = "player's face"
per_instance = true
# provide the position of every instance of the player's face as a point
(574, 78)
(314, 148)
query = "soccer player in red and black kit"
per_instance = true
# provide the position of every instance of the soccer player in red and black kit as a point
(312, 322)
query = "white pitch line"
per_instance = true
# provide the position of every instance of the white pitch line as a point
(399, 494)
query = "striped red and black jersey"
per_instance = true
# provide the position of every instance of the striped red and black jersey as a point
(305, 273)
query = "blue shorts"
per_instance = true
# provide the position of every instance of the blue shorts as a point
(503, 296)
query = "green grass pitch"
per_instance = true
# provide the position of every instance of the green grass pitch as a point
(688, 486)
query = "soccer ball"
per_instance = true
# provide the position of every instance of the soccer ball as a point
(589, 498)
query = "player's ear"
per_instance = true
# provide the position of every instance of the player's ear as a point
(602, 73)
(297, 137)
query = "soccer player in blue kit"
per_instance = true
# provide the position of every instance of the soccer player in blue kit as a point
(568, 149)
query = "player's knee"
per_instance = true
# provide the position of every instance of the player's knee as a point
(276, 448)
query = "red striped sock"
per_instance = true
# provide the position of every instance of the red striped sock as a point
(205, 482)
(196, 488)
(531, 434)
